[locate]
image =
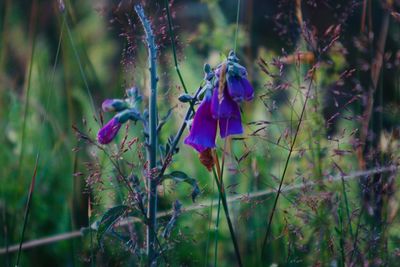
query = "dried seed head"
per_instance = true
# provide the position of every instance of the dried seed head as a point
(222, 81)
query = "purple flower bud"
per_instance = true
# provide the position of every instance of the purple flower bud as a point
(110, 105)
(109, 131)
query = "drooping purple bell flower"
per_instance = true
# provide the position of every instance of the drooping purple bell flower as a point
(220, 105)
(227, 112)
(204, 127)
(108, 132)
(239, 88)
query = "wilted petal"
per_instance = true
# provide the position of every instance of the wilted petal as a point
(231, 125)
(109, 131)
(248, 90)
(204, 128)
(207, 159)
(235, 88)
(226, 108)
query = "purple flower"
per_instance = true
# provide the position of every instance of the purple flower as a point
(109, 131)
(239, 88)
(212, 112)
(220, 108)
(227, 112)
(204, 127)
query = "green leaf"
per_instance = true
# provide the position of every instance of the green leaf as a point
(179, 176)
(109, 218)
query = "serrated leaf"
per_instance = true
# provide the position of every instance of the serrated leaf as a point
(179, 176)
(109, 218)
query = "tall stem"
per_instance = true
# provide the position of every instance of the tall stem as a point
(278, 193)
(152, 146)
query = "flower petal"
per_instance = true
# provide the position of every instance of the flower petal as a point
(236, 88)
(226, 108)
(248, 89)
(109, 131)
(231, 126)
(204, 128)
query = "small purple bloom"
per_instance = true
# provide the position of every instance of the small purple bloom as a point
(109, 131)
(204, 127)
(239, 88)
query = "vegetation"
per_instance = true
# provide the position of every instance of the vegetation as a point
(113, 153)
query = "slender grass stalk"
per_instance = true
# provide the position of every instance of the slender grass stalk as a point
(216, 231)
(346, 202)
(219, 197)
(178, 136)
(287, 163)
(27, 209)
(78, 60)
(90, 232)
(237, 26)
(209, 228)
(152, 146)
(27, 85)
(221, 190)
(5, 230)
(340, 232)
(172, 37)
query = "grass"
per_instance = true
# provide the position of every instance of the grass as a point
(280, 170)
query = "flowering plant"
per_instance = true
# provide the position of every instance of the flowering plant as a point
(126, 109)
(226, 88)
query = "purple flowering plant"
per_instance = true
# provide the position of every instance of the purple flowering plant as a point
(223, 90)
(126, 110)
(227, 87)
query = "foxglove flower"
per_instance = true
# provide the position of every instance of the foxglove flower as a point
(220, 105)
(126, 109)
(227, 112)
(204, 127)
(109, 131)
(239, 88)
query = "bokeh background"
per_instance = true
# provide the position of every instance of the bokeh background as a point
(339, 206)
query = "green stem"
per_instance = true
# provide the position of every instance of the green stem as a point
(287, 163)
(172, 37)
(222, 195)
(152, 147)
(346, 202)
(209, 228)
(178, 136)
(27, 208)
(216, 231)
(237, 25)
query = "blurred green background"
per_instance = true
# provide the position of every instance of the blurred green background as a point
(57, 67)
